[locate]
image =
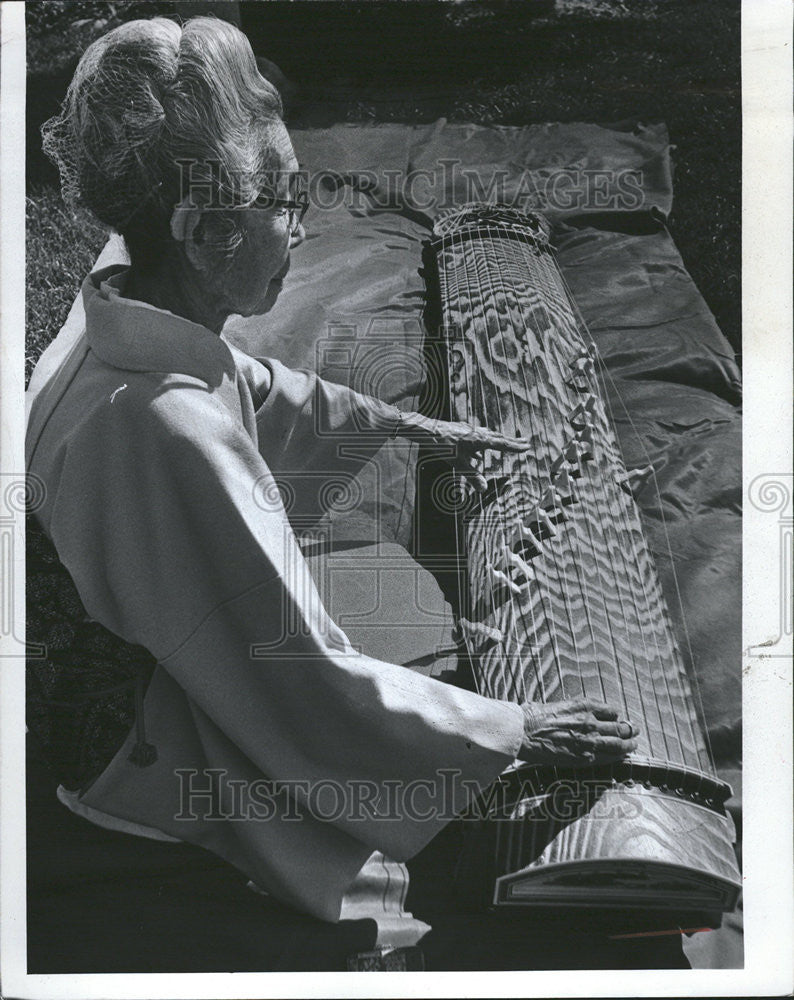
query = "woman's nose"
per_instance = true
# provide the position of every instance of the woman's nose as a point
(297, 237)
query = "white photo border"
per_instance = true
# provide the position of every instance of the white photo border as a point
(767, 664)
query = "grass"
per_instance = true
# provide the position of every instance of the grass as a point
(61, 250)
(603, 61)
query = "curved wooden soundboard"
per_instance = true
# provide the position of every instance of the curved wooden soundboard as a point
(564, 598)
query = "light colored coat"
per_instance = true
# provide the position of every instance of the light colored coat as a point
(154, 438)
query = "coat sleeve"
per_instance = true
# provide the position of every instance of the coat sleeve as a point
(173, 532)
(304, 418)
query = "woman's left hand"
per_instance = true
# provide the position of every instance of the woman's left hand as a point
(470, 443)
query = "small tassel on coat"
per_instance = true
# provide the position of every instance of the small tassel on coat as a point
(143, 754)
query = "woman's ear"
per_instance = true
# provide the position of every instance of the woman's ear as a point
(187, 230)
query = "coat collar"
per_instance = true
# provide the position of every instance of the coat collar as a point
(136, 336)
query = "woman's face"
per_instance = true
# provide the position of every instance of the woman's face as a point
(253, 280)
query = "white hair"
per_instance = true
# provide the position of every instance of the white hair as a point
(151, 99)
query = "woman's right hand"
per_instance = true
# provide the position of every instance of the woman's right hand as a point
(574, 733)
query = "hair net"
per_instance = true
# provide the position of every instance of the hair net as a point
(152, 102)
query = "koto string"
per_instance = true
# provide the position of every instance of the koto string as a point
(473, 613)
(605, 374)
(606, 520)
(552, 352)
(512, 306)
(462, 305)
(499, 519)
(516, 852)
(545, 423)
(517, 613)
(594, 544)
(681, 693)
(463, 590)
(446, 263)
(507, 248)
(607, 523)
(642, 553)
(613, 521)
(457, 261)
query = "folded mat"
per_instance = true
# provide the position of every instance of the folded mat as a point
(352, 309)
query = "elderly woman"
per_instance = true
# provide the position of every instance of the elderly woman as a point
(154, 439)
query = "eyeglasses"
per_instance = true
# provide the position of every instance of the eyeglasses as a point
(296, 205)
(297, 208)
